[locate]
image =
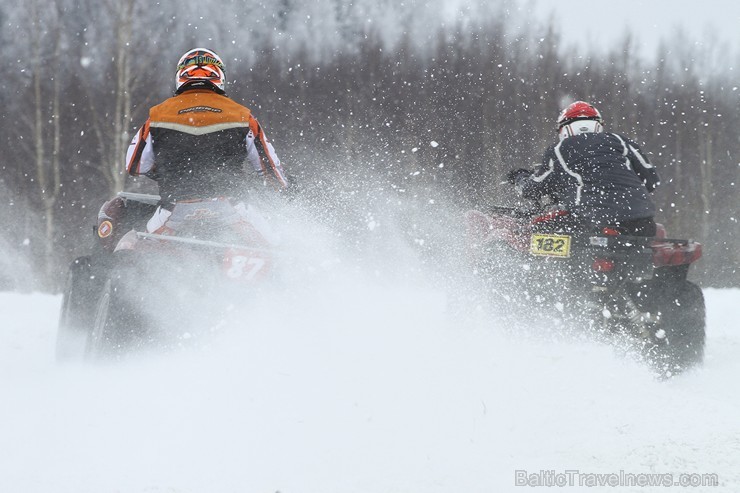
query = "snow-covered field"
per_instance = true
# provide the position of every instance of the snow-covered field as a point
(359, 387)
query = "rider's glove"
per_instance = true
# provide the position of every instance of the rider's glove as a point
(514, 175)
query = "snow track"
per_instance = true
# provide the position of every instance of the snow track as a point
(358, 387)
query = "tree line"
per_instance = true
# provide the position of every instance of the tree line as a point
(449, 117)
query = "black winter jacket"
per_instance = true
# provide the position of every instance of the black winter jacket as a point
(602, 177)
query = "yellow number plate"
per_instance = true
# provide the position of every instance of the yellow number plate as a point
(550, 245)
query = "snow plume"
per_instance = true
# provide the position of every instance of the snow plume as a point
(359, 232)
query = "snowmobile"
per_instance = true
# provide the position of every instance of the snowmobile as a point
(142, 290)
(632, 289)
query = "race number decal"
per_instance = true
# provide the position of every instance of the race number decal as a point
(550, 245)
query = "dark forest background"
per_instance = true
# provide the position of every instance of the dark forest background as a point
(352, 95)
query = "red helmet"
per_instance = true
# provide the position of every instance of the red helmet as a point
(579, 117)
(580, 110)
(199, 67)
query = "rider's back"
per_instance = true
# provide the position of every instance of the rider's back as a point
(596, 178)
(200, 142)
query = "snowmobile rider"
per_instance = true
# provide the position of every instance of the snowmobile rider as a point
(195, 146)
(601, 179)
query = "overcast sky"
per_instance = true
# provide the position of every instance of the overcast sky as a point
(595, 23)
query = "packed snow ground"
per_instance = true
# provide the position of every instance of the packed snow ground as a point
(358, 386)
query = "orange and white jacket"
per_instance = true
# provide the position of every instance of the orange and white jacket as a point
(196, 145)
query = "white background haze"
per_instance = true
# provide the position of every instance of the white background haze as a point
(599, 26)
